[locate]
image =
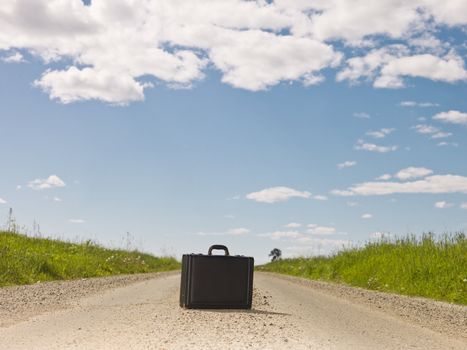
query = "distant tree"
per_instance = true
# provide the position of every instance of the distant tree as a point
(275, 254)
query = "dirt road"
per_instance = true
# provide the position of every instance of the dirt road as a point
(286, 313)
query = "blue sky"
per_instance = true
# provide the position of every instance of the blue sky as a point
(277, 147)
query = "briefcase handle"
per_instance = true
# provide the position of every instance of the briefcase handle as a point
(218, 246)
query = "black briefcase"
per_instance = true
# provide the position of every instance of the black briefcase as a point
(216, 281)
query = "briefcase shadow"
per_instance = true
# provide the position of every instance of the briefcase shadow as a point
(248, 311)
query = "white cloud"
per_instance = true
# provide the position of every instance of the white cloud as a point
(453, 117)
(277, 194)
(2, 201)
(447, 12)
(428, 42)
(443, 143)
(76, 221)
(449, 69)
(19, 187)
(234, 198)
(354, 21)
(362, 145)
(425, 129)
(352, 204)
(369, 65)
(320, 230)
(320, 197)
(359, 19)
(443, 205)
(120, 41)
(229, 216)
(431, 184)
(441, 135)
(111, 48)
(434, 132)
(300, 237)
(388, 66)
(232, 232)
(238, 231)
(346, 164)
(51, 182)
(384, 177)
(412, 173)
(361, 115)
(379, 134)
(463, 205)
(256, 60)
(281, 234)
(74, 84)
(367, 216)
(418, 104)
(15, 57)
(293, 225)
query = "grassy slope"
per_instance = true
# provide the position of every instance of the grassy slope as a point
(25, 260)
(418, 267)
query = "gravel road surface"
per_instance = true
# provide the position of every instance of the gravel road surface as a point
(142, 312)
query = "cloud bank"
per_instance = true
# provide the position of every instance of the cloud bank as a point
(434, 184)
(277, 194)
(114, 50)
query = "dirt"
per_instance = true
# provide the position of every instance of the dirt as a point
(446, 318)
(142, 312)
(18, 303)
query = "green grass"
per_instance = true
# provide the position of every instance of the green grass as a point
(427, 267)
(26, 260)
